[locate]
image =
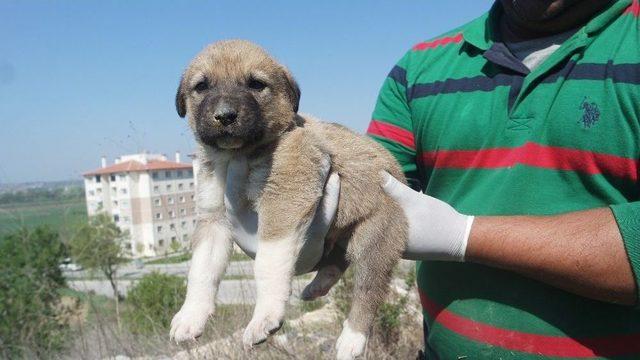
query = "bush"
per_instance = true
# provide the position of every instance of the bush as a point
(30, 281)
(153, 301)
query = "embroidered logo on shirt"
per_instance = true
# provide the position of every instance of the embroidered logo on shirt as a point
(590, 113)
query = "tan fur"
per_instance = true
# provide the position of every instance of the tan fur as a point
(286, 178)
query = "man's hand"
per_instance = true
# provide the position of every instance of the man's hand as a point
(244, 220)
(436, 230)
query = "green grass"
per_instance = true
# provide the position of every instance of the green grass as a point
(237, 256)
(61, 216)
(309, 306)
(100, 299)
(170, 259)
(173, 259)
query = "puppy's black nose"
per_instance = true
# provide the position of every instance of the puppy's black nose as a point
(226, 115)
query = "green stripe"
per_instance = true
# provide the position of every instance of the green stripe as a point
(391, 106)
(510, 301)
(476, 120)
(524, 190)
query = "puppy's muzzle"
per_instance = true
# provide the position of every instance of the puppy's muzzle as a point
(228, 118)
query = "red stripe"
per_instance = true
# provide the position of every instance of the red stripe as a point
(633, 9)
(392, 132)
(531, 154)
(544, 345)
(438, 42)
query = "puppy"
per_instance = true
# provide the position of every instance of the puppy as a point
(242, 104)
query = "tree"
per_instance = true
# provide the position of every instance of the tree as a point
(98, 245)
(30, 280)
(153, 301)
(175, 246)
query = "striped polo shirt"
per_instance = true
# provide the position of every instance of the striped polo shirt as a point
(472, 126)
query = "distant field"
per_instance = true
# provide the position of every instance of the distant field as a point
(60, 215)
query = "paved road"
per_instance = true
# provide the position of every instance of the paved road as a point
(232, 291)
(130, 271)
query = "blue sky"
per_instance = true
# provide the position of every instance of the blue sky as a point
(83, 79)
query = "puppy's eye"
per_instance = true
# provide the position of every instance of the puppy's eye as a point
(201, 86)
(256, 85)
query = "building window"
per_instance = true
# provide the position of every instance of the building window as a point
(112, 177)
(123, 191)
(172, 226)
(127, 246)
(183, 212)
(161, 242)
(156, 189)
(116, 218)
(125, 219)
(114, 189)
(194, 221)
(157, 202)
(121, 177)
(159, 228)
(98, 178)
(173, 238)
(192, 196)
(115, 202)
(191, 185)
(179, 173)
(184, 237)
(182, 199)
(170, 200)
(190, 173)
(154, 175)
(168, 187)
(158, 216)
(91, 192)
(167, 174)
(172, 214)
(180, 186)
(183, 224)
(99, 204)
(99, 190)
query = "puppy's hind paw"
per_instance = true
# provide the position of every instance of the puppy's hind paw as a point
(350, 344)
(321, 283)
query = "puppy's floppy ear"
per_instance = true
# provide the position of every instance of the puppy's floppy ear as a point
(293, 89)
(181, 105)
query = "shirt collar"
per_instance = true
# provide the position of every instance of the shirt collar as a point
(483, 31)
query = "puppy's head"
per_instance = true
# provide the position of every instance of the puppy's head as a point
(235, 95)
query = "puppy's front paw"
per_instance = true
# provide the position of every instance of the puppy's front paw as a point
(350, 344)
(260, 327)
(189, 322)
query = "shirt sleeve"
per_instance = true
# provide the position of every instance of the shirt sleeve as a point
(628, 218)
(391, 123)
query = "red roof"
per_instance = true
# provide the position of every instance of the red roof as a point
(132, 165)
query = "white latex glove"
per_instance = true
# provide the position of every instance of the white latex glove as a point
(244, 220)
(436, 230)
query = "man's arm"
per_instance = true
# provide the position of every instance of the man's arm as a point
(593, 253)
(580, 252)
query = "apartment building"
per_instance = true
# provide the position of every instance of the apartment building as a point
(148, 196)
